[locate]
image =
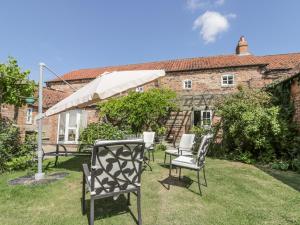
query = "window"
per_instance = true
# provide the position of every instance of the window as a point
(206, 117)
(29, 116)
(139, 89)
(227, 80)
(70, 124)
(203, 118)
(187, 84)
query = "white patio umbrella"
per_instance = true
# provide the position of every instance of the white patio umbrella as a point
(105, 86)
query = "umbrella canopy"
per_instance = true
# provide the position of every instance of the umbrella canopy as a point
(105, 86)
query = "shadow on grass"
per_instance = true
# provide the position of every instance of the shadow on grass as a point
(74, 163)
(107, 207)
(184, 182)
(289, 178)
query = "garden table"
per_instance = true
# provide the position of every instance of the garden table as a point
(62, 150)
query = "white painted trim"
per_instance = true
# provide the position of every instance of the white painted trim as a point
(57, 134)
(31, 119)
(210, 111)
(67, 128)
(187, 88)
(228, 85)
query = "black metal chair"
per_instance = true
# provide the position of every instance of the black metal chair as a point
(194, 163)
(115, 169)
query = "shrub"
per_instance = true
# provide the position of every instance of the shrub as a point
(9, 142)
(139, 111)
(13, 154)
(280, 165)
(251, 126)
(105, 131)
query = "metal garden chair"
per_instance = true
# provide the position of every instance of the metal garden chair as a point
(185, 147)
(194, 163)
(149, 143)
(115, 169)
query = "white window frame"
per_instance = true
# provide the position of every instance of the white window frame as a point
(67, 128)
(186, 85)
(139, 89)
(202, 118)
(227, 76)
(29, 115)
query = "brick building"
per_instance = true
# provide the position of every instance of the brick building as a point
(197, 81)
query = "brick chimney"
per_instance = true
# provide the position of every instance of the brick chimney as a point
(242, 47)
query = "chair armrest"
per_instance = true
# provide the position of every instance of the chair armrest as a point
(182, 150)
(85, 171)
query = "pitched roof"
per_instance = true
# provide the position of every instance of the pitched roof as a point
(272, 62)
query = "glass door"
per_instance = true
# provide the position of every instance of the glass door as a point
(68, 127)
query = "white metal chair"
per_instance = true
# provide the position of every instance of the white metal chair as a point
(194, 163)
(149, 143)
(185, 147)
(116, 169)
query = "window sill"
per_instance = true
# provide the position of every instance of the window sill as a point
(227, 85)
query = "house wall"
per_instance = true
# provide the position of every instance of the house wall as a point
(295, 94)
(207, 82)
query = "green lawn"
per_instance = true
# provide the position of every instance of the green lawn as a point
(236, 194)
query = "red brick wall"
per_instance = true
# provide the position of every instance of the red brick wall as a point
(206, 81)
(209, 81)
(66, 88)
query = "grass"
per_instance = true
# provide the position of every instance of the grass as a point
(236, 194)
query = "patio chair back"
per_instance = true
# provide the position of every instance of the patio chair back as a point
(148, 138)
(116, 166)
(203, 148)
(186, 142)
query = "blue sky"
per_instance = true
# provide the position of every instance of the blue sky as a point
(73, 34)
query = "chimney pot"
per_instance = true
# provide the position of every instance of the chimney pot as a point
(242, 47)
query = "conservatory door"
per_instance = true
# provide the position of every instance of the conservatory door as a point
(69, 126)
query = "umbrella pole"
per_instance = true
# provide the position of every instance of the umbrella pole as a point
(40, 175)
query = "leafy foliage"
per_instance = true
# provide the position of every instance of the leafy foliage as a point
(253, 128)
(9, 142)
(139, 111)
(13, 154)
(14, 84)
(160, 147)
(96, 131)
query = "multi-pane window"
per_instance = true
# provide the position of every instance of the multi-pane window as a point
(29, 115)
(206, 117)
(203, 118)
(228, 80)
(70, 124)
(139, 89)
(187, 84)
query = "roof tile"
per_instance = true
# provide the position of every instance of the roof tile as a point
(272, 62)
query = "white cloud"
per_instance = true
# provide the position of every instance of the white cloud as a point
(211, 24)
(200, 4)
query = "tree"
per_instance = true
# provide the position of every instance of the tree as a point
(14, 84)
(139, 111)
